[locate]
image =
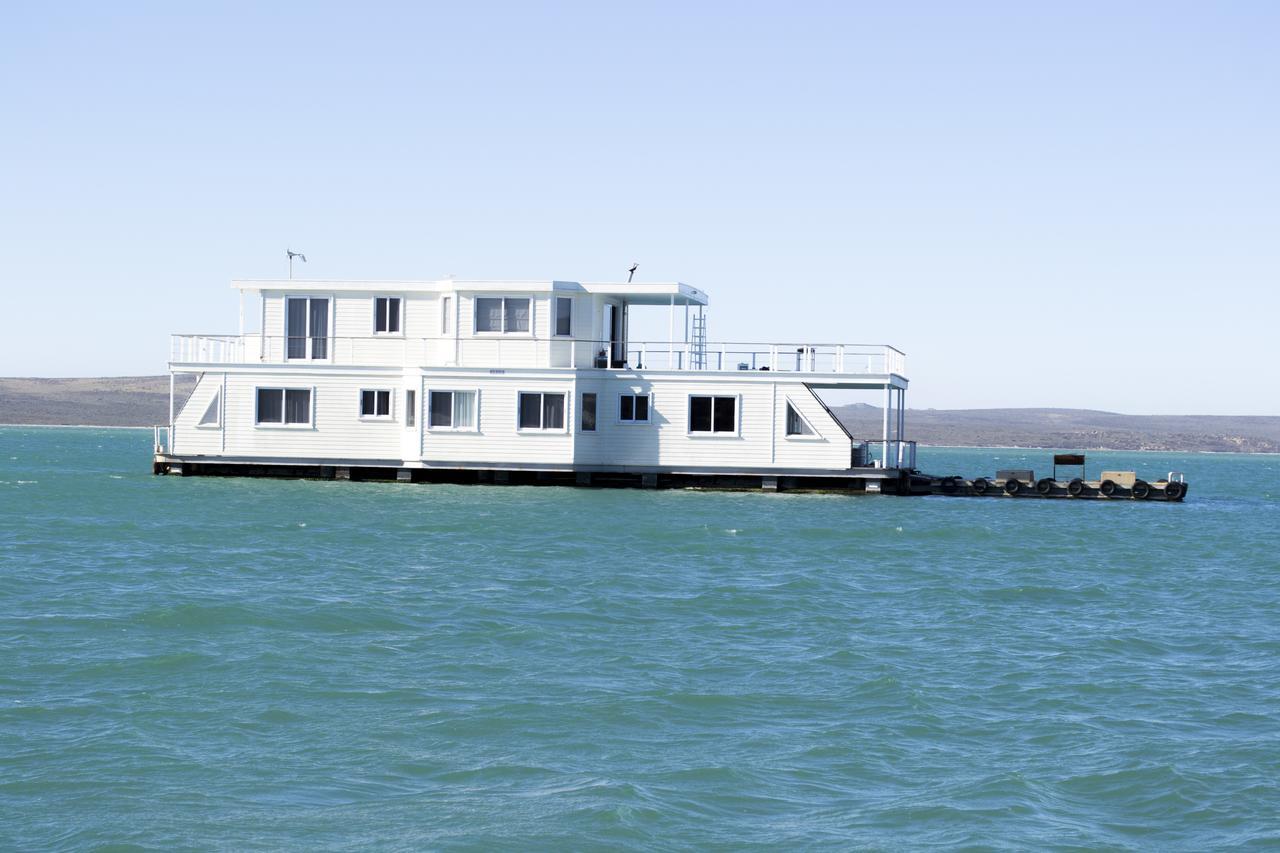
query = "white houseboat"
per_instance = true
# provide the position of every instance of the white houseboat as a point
(519, 381)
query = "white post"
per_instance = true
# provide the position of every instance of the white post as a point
(686, 321)
(902, 412)
(888, 403)
(172, 415)
(902, 422)
(671, 331)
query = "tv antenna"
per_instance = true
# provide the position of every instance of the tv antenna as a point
(292, 254)
(630, 273)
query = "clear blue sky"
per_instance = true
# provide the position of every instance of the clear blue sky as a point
(1075, 205)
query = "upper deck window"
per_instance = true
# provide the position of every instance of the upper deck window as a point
(564, 316)
(503, 314)
(306, 327)
(386, 315)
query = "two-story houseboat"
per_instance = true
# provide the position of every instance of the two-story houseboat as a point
(519, 381)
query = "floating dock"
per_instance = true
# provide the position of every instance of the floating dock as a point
(1022, 483)
(1113, 485)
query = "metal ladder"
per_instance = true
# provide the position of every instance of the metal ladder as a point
(698, 346)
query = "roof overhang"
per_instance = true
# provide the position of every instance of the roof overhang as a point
(634, 293)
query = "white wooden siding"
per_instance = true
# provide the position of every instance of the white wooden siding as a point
(336, 431)
(194, 440)
(498, 441)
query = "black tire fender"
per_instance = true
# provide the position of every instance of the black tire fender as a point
(1174, 490)
(1075, 488)
(1012, 487)
(1108, 488)
(1141, 489)
(980, 486)
(948, 484)
(1044, 485)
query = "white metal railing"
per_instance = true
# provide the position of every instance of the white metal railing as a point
(207, 349)
(497, 351)
(161, 436)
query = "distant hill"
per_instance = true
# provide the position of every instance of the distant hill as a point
(106, 401)
(1073, 429)
(144, 400)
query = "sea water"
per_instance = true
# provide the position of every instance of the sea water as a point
(247, 664)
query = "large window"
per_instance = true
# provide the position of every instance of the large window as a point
(797, 426)
(375, 403)
(284, 407)
(386, 315)
(633, 408)
(306, 327)
(541, 411)
(587, 420)
(564, 315)
(502, 314)
(454, 410)
(713, 414)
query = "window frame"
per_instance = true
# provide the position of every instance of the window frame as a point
(813, 435)
(398, 333)
(429, 427)
(329, 337)
(475, 315)
(633, 421)
(555, 317)
(217, 418)
(375, 418)
(545, 430)
(410, 408)
(446, 315)
(700, 434)
(282, 424)
(595, 413)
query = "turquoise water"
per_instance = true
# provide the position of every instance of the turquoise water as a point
(243, 664)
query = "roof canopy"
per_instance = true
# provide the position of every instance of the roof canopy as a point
(634, 293)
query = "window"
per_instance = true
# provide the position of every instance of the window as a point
(375, 404)
(386, 315)
(588, 419)
(410, 407)
(452, 410)
(284, 406)
(796, 424)
(502, 314)
(541, 411)
(210, 417)
(633, 408)
(446, 315)
(713, 414)
(306, 327)
(564, 316)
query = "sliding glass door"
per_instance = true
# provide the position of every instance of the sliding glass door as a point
(307, 327)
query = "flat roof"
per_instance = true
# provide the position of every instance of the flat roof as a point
(636, 293)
